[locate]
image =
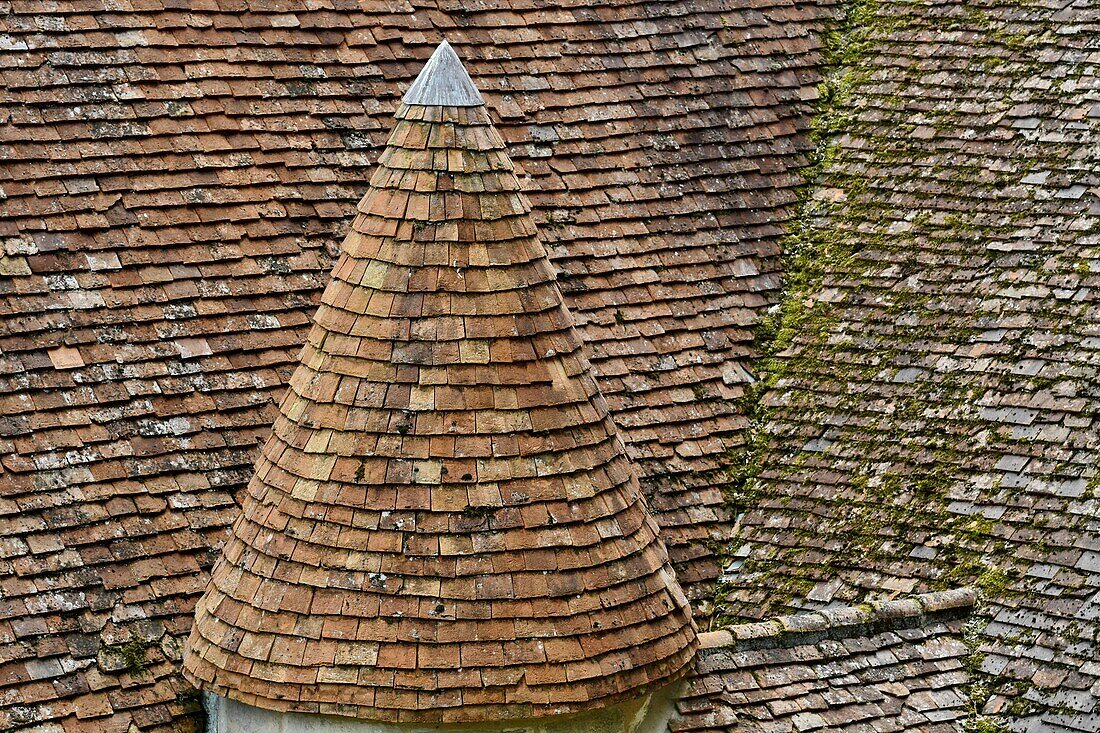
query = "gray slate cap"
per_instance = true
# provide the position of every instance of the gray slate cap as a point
(444, 82)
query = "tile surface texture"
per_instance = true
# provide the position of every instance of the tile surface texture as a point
(444, 525)
(176, 182)
(896, 667)
(933, 417)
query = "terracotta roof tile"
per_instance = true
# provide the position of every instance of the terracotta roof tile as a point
(280, 117)
(442, 320)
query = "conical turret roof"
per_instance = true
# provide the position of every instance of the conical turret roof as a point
(444, 525)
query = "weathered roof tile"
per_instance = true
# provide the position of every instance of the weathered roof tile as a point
(938, 390)
(442, 321)
(290, 150)
(864, 668)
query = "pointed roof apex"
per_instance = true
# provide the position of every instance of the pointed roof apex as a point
(444, 82)
(444, 520)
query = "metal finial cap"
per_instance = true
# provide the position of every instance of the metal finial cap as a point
(444, 82)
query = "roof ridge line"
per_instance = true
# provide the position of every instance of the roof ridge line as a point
(788, 630)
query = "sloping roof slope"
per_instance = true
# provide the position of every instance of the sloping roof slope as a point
(934, 418)
(443, 525)
(173, 174)
(898, 666)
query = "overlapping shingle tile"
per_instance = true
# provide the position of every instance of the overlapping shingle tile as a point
(175, 181)
(934, 417)
(444, 525)
(898, 666)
